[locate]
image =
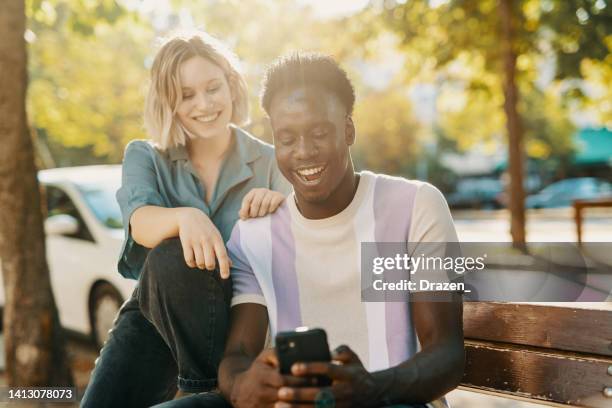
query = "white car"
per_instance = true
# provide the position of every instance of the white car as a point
(83, 236)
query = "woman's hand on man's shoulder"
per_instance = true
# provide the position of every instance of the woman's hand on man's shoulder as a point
(260, 202)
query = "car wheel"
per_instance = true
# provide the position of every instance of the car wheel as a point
(104, 305)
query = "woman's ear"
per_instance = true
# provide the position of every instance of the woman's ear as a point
(349, 131)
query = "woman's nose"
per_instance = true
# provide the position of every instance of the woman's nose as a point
(202, 101)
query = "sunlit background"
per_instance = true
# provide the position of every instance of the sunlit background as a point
(430, 101)
(429, 80)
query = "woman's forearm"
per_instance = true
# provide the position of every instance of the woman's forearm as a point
(150, 224)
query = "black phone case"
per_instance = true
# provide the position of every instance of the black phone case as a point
(302, 346)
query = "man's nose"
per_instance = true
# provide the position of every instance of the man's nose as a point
(306, 149)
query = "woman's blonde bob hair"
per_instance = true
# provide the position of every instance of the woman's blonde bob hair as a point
(165, 93)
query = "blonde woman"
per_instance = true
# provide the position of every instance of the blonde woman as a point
(181, 194)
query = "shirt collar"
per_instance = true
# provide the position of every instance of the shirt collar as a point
(245, 146)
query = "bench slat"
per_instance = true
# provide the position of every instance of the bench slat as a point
(578, 330)
(563, 378)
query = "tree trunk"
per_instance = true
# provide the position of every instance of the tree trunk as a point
(516, 202)
(34, 341)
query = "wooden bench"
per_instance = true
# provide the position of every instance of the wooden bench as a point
(553, 355)
(579, 205)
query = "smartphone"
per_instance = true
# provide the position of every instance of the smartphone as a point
(303, 345)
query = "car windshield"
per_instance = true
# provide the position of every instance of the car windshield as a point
(100, 198)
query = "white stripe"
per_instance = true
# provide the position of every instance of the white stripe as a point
(256, 243)
(378, 353)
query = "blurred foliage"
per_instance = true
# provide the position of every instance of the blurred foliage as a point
(460, 40)
(387, 133)
(86, 78)
(598, 76)
(89, 69)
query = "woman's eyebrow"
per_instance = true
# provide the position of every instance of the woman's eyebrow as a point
(208, 82)
(214, 79)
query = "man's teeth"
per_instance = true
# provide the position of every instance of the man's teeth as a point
(310, 172)
(207, 118)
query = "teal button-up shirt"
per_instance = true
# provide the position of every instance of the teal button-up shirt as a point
(167, 179)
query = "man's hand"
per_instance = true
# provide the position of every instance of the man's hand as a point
(352, 385)
(258, 386)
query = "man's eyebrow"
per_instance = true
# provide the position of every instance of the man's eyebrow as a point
(285, 128)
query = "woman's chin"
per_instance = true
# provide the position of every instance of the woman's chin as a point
(212, 132)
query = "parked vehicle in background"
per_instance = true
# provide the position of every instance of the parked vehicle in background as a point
(83, 239)
(477, 192)
(563, 193)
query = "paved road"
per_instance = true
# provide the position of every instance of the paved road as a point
(554, 225)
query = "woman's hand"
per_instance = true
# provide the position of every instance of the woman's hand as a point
(259, 202)
(201, 241)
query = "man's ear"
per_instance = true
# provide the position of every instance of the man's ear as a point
(349, 131)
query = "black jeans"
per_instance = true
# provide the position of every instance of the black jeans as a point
(176, 322)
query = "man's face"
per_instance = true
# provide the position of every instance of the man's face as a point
(312, 135)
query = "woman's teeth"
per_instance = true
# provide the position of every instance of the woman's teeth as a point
(207, 118)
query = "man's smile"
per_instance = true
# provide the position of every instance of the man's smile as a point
(311, 174)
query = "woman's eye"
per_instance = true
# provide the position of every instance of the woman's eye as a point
(187, 96)
(213, 90)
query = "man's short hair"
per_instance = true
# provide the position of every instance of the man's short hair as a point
(307, 69)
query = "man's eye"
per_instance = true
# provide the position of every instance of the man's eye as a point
(187, 96)
(319, 133)
(285, 140)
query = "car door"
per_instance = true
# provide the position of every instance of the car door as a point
(69, 257)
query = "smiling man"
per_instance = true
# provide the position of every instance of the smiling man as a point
(301, 265)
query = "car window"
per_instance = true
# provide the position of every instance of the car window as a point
(100, 198)
(58, 202)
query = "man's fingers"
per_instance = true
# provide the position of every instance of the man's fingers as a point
(333, 371)
(304, 394)
(268, 356)
(293, 381)
(345, 355)
(224, 261)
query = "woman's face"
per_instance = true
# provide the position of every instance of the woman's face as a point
(206, 106)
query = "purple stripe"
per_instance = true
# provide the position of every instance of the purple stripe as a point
(284, 276)
(243, 278)
(393, 204)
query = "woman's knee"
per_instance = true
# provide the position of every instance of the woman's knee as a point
(164, 261)
(165, 268)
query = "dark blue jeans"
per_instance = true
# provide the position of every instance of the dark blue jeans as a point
(176, 322)
(212, 400)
